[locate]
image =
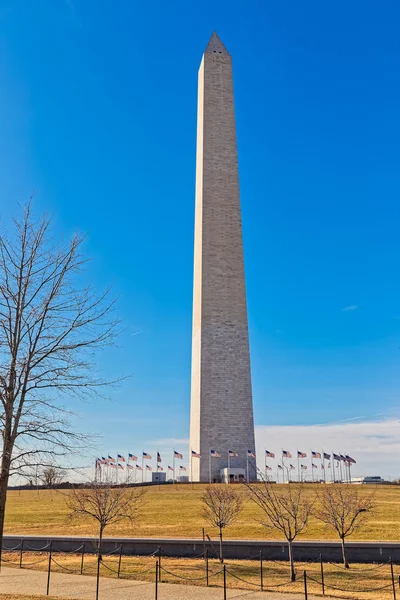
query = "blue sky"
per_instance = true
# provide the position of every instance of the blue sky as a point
(98, 116)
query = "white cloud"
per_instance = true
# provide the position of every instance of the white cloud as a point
(375, 445)
(351, 307)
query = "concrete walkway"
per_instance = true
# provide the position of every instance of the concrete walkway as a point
(83, 587)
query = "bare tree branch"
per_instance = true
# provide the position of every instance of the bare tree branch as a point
(221, 507)
(50, 329)
(341, 508)
(287, 510)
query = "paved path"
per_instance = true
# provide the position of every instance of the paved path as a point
(82, 587)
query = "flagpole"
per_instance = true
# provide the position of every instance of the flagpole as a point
(247, 466)
(323, 462)
(173, 466)
(142, 466)
(312, 468)
(209, 465)
(298, 466)
(229, 466)
(340, 467)
(265, 463)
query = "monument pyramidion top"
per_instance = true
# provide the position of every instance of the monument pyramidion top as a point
(215, 46)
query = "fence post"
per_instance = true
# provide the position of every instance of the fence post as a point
(224, 582)
(157, 576)
(159, 564)
(305, 585)
(322, 575)
(49, 571)
(83, 557)
(261, 571)
(20, 553)
(393, 585)
(120, 558)
(207, 567)
(204, 541)
(98, 574)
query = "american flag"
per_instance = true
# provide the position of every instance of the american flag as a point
(160, 469)
(304, 467)
(342, 457)
(104, 460)
(158, 457)
(215, 454)
(130, 466)
(132, 457)
(178, 455)
(232, 453)
(111, 458)
(329, 465)
(120, 466)
(327, 456)
(149, 468)
(280, 467)
(195, 454)
(269, 454)
(286, 454)
(120, 457)
(170, 468)
(182, 468)
(350, 460)
(314, 466)
(336, 456)
(139, 468)
(301, 454)
(146, 456)
(291, 467)
(268, 468)
(316, 454)
(251, 453)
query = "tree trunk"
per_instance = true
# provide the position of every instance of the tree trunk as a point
(4, 477)
(99, 553)
(292, 569)
(346, 564)
(221, 556)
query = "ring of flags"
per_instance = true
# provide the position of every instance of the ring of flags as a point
(120, 463)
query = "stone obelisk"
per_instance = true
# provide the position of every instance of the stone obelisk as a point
(221, 416)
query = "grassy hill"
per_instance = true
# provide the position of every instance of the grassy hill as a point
(177, 512)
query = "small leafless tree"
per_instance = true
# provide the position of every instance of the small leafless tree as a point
(343, 509)
(52, 476)
(105, 504)
(222, 504)
(50, 328)
(288, 510)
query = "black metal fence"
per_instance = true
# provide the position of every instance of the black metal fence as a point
(210, 572)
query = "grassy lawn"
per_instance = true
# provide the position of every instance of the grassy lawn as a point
(240, 574)
(176, 512)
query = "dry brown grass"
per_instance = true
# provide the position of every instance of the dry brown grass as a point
(242, 574)
(25, 597)
(177, 512)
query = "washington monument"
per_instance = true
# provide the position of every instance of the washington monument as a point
(221, 417)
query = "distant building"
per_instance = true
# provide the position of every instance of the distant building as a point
(159, 477)
(236, 475)
(371, 479)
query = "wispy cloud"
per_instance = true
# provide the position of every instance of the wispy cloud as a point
(374, 444)
(349, 308)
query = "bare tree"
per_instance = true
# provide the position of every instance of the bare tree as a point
(222, 506)
(288, 510)
(52, 476)
(342, 509)
(105, 504)
(50, 328)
